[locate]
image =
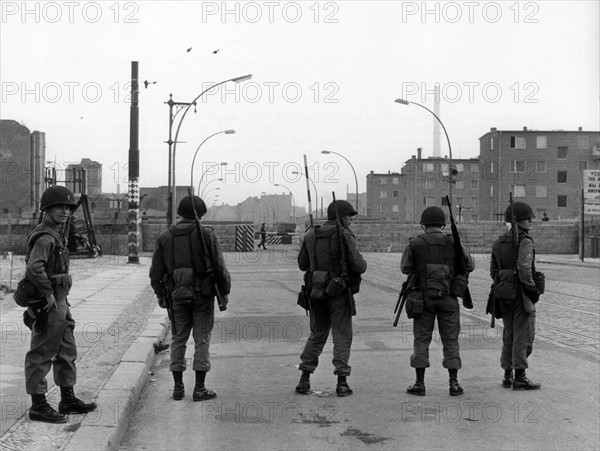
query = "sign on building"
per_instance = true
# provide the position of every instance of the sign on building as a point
(591, 191)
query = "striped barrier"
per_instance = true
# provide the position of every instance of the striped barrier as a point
(244, 238)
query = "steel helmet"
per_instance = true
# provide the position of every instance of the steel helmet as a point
(343, 208)
(522, 211)
(186, 210)
(57, 195)
(433, 216)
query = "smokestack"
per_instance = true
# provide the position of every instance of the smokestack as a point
(419, 152)
(437, 132)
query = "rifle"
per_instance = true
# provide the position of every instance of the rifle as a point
(407, 286)
(459, 263)
(167, 296)
(527, 303)
(344, 263)
(304, 291)
(222, 299)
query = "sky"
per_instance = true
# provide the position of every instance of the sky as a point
(324, 77)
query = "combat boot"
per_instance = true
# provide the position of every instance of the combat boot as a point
(178, 387)
(42, 411)
(508, 379)
(522, 383)
(342, 388)
(455, 388)
(418, 388)
(69, 403)
(303, 386)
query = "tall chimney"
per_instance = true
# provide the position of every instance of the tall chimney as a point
(437, 132)
(419, 152)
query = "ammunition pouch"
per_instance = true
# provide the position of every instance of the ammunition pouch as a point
(539, 279)
(207, 287)
(437, 280)
(183, 281)
(336, 287)
(40, 322)
(26, 292)
(506, 286)
(320, 281)
(61, 284)
(460, 285)
(414, 303)
(354, 283)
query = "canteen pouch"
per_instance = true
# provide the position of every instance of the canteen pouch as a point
(320, 280)
(414, 303)
(40, 325)
(207, 287)
(183, 279)
(506, 288)
(437, 280)
(26, 291)
(61, 285)
(539, 279)
(336, 287)
(459, 285)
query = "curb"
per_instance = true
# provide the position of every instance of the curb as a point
(104, 428)
(569, 263)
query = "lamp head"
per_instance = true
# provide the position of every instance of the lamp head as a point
(242, 78)
(326, 152)
(229, 132)
(402, 101)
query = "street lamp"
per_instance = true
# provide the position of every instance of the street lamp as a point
(223, 163)
(293, 200)
(316, 194)
(212, 189)
(326, 152)
(451, 171)
(206, 186)
(235, 80)
(227, 132)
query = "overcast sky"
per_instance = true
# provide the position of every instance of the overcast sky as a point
(325, 76)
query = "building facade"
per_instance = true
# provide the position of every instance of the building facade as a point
(540, 167)
(86, 176)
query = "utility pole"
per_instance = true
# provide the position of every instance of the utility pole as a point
(133, 219)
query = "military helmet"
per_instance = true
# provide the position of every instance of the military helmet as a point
(433, 216)
(186, 210)
(343, 208)
(522, 211)
(57, 195)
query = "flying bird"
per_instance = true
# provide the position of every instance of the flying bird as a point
(216, 51)
(189, 50)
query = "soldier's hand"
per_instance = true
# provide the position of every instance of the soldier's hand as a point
(51, 302)
(534, 294)
(162, 303)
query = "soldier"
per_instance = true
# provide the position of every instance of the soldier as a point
(320, 255)
(263, 236)
(179, 266)
(519, 325)
(431, 256)
(52, 343)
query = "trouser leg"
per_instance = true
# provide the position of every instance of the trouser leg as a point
(182, 315)
(448, 316)
(320, 325)
(422, 331)
(341, 329)
(204, 318)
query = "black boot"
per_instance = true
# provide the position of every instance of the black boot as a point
(342, 388)
(455, 388)
(178, 388)
(201, 393)
(304, 384)
(508, 379)
(418, 388)
(522, 383)
(42, 411)
(69, 403)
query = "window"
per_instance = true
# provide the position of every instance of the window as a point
(427, 201)
(460, 201)
(459, 167)
(428, 184)
(492, 144)
(491, 167)
(517, 166)
(518, 190)
(395, 193)
(474, 217)
(460, 184)
(541, 142)
(517, 142)
(540, 166)
(540, 191)
(382, 180)
(395, 208)
(561, 153)
(561, 177)
(113, 204)
(474, 184)
(562, 201)
(444, 202)
(474, 168)
(492, 191)
(583, 165)
(395, 180)
(583, 142)
(444, 168)
(382, 207)
(475, 201)
(382, 194)
(428, 167)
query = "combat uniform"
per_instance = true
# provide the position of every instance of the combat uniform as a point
(178, 257)
(320, 252)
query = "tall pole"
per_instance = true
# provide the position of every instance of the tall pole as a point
(293, 201)
(355, 178)
(134, 168)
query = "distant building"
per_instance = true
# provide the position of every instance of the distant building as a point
(91, 183)
(540, 167)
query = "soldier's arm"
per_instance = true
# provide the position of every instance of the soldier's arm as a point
(157, 269)
(493, 263)
(36, 265)
(469, 262)
(222, 276)
(356, 262)
(406, 264)
(303, 257)
(524, 263)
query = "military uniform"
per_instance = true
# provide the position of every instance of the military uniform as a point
(432, 255)
(519, 324)
(52, 345)
(320, 252)
(179, 257)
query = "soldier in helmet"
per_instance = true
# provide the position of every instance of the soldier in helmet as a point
(519, 325)
(179, 261)
(320, 256)
(431, 256)
(53, 344)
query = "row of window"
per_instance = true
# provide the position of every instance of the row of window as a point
(540, 191)
(541, 142)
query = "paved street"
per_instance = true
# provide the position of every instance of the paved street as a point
(255, 352)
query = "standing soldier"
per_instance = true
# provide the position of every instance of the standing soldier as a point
(519, 324)
(52, 343)
(431, 255)
(179, 274)
(322, 256)
(263, 236)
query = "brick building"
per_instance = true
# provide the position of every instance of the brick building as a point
(540, 167)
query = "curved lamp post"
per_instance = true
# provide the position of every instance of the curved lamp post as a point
(293, 200)
(451, 172)
(227, 132)
(223, 163)
(212, 189)
(355, 178)
(316, 194)
(206, 186)
(235, 80)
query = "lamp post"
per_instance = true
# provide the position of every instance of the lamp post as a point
(206, 186)
(451, 171)
(227, 132)
(223, 163)
(326, 152)
(235, 80)
(315, 188)
(212, 189)
(293, 200)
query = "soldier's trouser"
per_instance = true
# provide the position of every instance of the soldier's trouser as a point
(55, 348)
(447, 312)
(518, 335)
(198, 316)
(332, 314)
